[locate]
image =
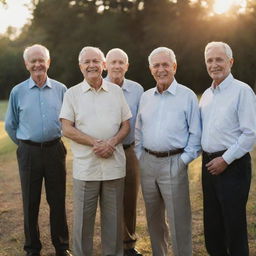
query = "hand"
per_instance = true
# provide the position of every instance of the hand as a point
(103, 149)
(216, 166)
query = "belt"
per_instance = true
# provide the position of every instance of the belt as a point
(164, 153)
(41, 144)
(125, 146)
(214, 154)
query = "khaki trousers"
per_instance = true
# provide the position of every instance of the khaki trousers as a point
(86, 196)
(131, 188)
(165, 189)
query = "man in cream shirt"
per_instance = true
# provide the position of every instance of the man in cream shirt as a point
(95, 116)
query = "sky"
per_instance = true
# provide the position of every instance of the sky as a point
(16, 14)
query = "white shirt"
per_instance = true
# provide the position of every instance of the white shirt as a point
(228, 115)
(98, 114)
(168, 121)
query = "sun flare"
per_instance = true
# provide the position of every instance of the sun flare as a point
(223, 6)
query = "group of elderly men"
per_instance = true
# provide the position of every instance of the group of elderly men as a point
(98, 116)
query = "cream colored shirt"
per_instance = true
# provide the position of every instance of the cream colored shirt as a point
(98, 114)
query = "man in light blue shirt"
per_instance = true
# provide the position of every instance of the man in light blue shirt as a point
(117, 65)
(32, 122)
(228, 113)
(167, 139)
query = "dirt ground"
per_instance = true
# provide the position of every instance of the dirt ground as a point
(11, 216)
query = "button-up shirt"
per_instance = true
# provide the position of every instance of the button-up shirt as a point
(33, 112)
(132, 93)
(98, 114)
(228, 115)
(168, 121)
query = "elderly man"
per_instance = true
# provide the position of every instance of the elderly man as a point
(228, 112)
(32, 122)
(117, 65)
(167, 136)
(95, 116)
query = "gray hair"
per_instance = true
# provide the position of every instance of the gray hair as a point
(167, 51)
(27, 49)
(227, 49)
(86, 48)
(122, 52)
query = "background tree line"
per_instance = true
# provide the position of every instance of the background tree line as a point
(136, 26)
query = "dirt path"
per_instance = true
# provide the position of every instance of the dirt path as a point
(11, 216)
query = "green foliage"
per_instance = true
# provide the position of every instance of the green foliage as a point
(137, 27)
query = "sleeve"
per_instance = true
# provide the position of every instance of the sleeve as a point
(193, 147)
(67, 109)
(126, 113)
(246, 112)
(138, 133)
(12, 117)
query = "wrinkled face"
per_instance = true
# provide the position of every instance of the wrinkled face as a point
(218, 64)
(117, 66)
(91, 65)
(162, 69)
(37, 62)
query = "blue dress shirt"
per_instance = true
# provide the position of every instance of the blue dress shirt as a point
(132, 93)
(168, 121)
(33, 112)
(228, 115)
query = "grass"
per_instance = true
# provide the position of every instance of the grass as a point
(11, 216)
(3, 108)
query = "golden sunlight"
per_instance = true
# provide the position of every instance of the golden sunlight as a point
(223, 6)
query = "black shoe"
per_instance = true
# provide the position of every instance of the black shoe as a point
(32, 254)
(64, 253)
(132, 252)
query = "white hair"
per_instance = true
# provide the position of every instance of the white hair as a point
(227, 49)
(86, 48)
(27, 49)
(167, 51)
(123, 53)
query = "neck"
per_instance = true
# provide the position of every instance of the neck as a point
(118, 81)
(162, 87)
(40, 80)
(96, 84)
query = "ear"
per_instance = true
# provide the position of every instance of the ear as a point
(174, 67)
(104, 65)
(231, 61)
(126, 67)
(26, 64)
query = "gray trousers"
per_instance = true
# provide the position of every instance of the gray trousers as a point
(110, 196)
(165, 189)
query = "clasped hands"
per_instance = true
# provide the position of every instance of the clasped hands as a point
(104, 148)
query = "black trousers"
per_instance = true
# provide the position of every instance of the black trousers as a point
(36, 164)
(224, 199)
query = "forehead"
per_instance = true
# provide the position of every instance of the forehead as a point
(116, 56)
(217, 51)
(160, 58)
(91, 54)
(36, 52)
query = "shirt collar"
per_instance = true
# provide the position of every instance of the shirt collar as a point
(125, 86)
(171, 89)
(86, 87)
(224, 84)
(31, 83)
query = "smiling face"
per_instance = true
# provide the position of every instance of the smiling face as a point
(37, 63)
(117, 66)
(218, 64)
(91, 66)
(163, 70)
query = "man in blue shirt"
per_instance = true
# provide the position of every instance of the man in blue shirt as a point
(117, 65)
(167, 139)
(228, 113)
(32, 122)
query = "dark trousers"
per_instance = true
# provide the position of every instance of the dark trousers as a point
(224, 198)
(131, 189)
(36, 164)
